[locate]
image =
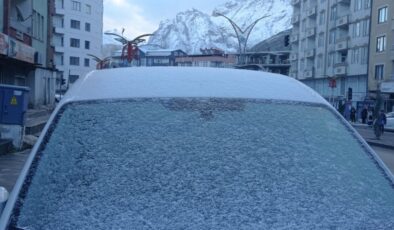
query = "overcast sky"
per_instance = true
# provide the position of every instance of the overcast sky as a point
(143, 16)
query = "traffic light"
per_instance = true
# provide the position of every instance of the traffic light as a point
(287, 40)
(349, 93)
(63, 81)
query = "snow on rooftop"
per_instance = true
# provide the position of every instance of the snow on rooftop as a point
(145, 82)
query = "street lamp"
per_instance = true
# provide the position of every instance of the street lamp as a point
(130, 47)
(242, 35)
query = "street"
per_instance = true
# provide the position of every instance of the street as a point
(387, 155)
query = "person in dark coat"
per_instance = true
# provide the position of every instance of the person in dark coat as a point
(382, 120)
(364, 114)
(353, 114)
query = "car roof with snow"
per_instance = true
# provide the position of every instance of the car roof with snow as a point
(153, 82)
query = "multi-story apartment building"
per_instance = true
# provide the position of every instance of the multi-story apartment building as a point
(25, 57)
(381, 59)
(78, 29)
(330, 40)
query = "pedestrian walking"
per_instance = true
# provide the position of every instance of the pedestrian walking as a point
(382, 120)
(353, 114)
(379, 123)
(364, 114)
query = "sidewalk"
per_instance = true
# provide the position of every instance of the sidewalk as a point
(386, 140)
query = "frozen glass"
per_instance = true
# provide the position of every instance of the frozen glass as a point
(205, 164)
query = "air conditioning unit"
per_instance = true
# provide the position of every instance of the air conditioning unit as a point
(19, 35)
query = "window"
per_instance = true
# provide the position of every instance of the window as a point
(322, 17)
(320, 41)
(332, 37)
(381, 44)
(366, 27)
(88, 9)
(87, 27)
(382, 15)
(74, 60)
(358, 5)
(367, 4)
(87, 62)
(76, 6)
(75, 24)
(330, 59)
(74, 43)
(379, 71)
(319, 61)
(357, 29)
(87, 45)
(364, 55)
(333, 15)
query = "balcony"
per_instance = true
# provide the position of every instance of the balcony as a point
(343, 21)
(311, 32)
(341, 45)
(309, 73)
(293, 57)
(295, 19)
(340, 69)
(295, 2)
(311, 12)
(345, 2)
(310, 53)
(294, 38)
(58, 30)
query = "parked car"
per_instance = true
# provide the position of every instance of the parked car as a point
(390, 120)
(199, 148)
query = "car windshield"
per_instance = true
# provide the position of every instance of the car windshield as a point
(203, 164)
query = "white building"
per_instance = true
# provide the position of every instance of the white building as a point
(78, 31)
(330, 39)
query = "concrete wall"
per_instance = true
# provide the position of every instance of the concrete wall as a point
(40, 28)
(42, 84)
(387, 57)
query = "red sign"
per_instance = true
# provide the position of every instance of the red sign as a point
(332, 83)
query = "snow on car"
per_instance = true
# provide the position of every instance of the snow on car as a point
(199, 148)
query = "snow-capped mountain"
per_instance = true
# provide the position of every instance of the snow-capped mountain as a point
(193, 29)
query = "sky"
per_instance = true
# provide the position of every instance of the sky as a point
(143, 16)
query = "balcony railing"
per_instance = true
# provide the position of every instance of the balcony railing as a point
(293, 57)
(310, 32)
(343, 21)
(311, 12)
(310, 53)
(295, 2)
(340, 69)
(294, 38)
(309, 73)
(295, 19)
(341, 45)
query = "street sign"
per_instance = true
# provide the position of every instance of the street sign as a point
(332, 83)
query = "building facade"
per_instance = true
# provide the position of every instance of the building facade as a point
(78, 31)
(24, 49)
(381, 59)
(208, 58)
(271, 55)
(330, 42)
(147, 57)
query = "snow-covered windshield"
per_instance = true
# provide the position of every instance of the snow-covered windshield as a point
(204, 164)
